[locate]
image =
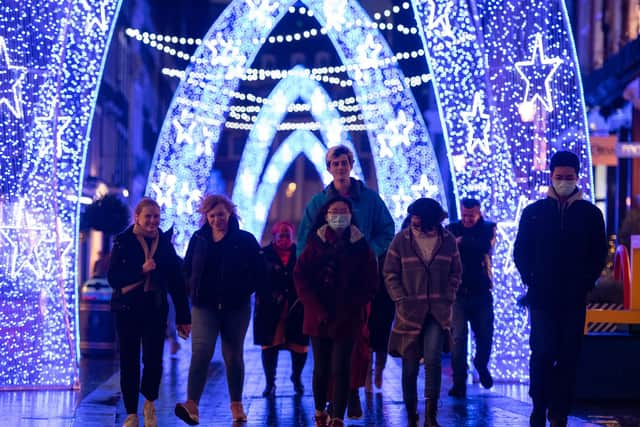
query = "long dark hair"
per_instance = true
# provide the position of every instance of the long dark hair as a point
(322, 213)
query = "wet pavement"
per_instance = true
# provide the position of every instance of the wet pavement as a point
(98, 402)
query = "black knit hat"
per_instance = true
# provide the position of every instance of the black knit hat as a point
(564, 158)
(430, 212)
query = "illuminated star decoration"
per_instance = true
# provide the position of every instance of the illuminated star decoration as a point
(477, 120)
(439, 23)
(93, 21)
(334, 11)
(11, 77)
(46, 125)
(368, 57)
(538, 73)
(184, 127)
(261, 10)
(424, 188)
(164, 189)
(506, 231)
(401, 202)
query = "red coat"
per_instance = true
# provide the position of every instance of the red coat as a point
(335, 281)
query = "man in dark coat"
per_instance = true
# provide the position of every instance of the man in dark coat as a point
(474, 303)
(560, 251)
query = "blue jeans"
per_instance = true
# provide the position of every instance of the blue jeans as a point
(206, 324)
(432, 337)
(476, 310)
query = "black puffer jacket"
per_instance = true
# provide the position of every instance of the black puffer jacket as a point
(475, 253)
(271, 296)
(238, 267)
(125, 269)
(560, 252)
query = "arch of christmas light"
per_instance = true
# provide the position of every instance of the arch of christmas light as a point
(509, 95)
(253, 192)
(400, 144)
(51, 60)
(513, 99)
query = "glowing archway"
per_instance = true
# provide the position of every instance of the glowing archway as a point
(404, 159)
(299, 142)
(251, 173)
(50, 68)
(515, 98)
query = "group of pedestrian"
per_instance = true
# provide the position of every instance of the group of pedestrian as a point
(354, 289)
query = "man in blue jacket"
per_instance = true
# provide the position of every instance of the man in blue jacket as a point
(372, 218)
(560, 251)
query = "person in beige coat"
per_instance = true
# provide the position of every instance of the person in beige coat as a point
(422, 272)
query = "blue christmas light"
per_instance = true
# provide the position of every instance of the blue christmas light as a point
(404, 159)
(51, 60)
(509, 93)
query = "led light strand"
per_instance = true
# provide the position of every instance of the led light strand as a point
(393, 121)
(50, 69)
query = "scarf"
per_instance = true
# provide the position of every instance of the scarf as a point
(148, 251)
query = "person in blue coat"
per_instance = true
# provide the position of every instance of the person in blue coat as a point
(377, 226)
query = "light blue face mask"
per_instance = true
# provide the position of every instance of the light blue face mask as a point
(564, 188)
(338, 221)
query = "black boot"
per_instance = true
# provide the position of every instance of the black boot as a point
(269, 364)
(354, 407)
(430, 411)
(297, 365)
(412, 413)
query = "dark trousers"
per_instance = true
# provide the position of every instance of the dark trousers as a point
(476, 310)
(432, 341)
(146, 323)
(556, 339)
(331, 362)
(270, 364)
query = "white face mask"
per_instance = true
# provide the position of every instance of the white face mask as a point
(564, 188)
(338, 221)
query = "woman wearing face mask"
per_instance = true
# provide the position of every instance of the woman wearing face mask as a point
(335, 276)
(277, 321)
(222, 267)
(422, 271)
(143, 268)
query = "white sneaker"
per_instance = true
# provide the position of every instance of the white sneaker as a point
(149, 412)
(131, 421)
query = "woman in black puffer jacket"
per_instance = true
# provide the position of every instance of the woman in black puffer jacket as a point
(222, 266)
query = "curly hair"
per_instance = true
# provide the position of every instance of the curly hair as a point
(209, 201)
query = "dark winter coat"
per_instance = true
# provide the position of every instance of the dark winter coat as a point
(420, 288)
(239, 262)
(127, 257)
(560, 251)
(475, 248)
(271, 296)
(335, 282)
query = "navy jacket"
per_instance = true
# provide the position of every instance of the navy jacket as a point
(475, 252)
(240, 267)
(560, 251)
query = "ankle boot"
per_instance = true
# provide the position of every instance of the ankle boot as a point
(354, 407)
(269, 364)
(298, 361)
(412, 413)
(430, 411)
